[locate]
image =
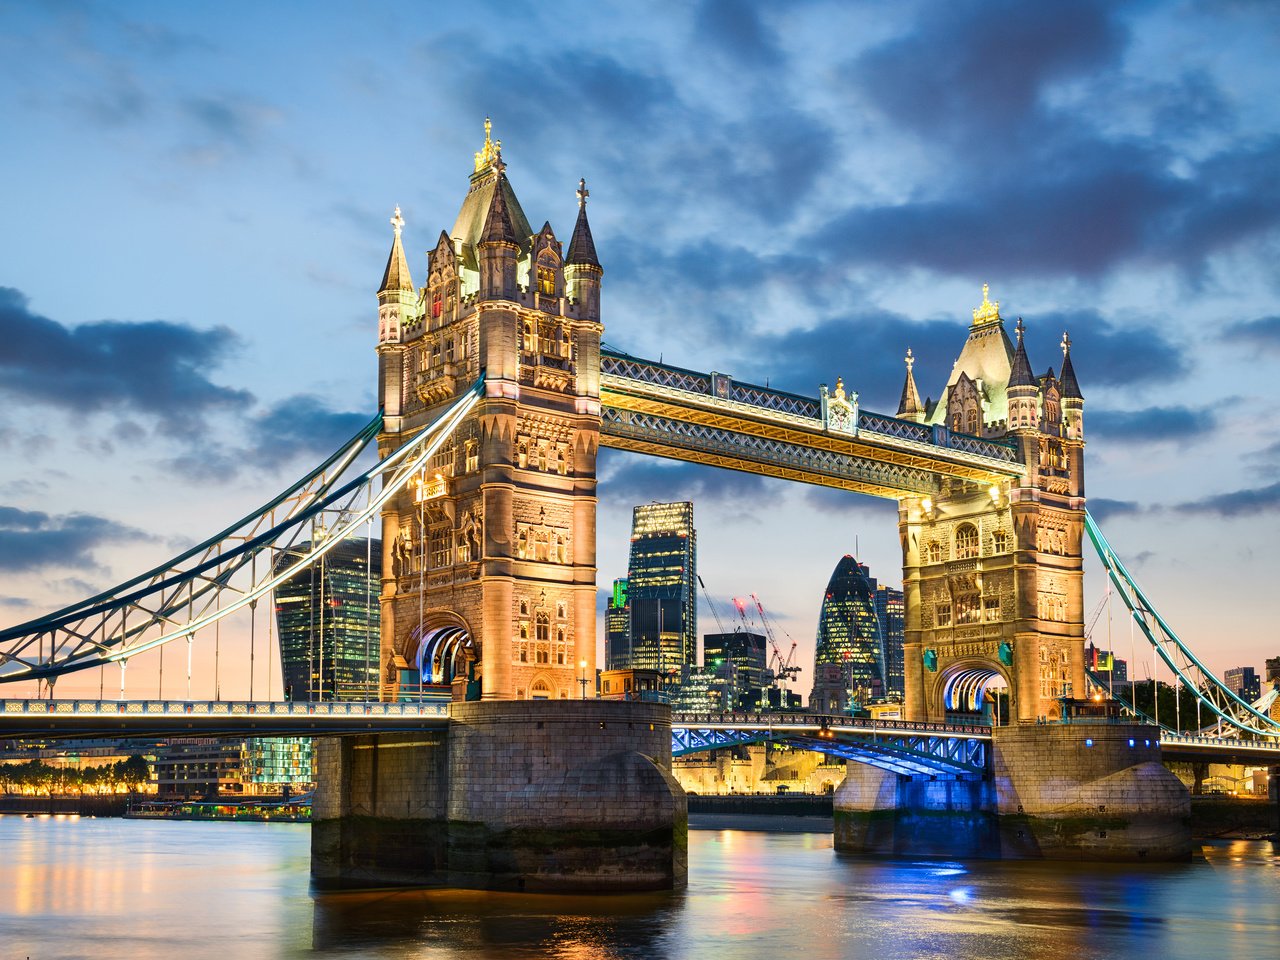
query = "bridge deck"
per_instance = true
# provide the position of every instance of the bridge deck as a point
(653, 408)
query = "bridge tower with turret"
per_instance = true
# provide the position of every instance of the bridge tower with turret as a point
(993, 577)
(488, 568)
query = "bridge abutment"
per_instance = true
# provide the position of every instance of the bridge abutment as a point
(1079, 791)
(531, 795)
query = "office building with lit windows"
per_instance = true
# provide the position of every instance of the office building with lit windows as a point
(860, 629)
(661, 581)
(745, 650)
(1244, 682)
(327, 618)
(617, 628)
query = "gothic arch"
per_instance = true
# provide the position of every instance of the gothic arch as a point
(443, 648)
(961, 686)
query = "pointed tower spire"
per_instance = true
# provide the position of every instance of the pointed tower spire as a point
(1020, 374)
(582, 248)
(497, 224)
(1070, 387)
(909, 407)
(396, 276)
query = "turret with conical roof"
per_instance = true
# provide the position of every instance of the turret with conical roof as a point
(396, 296)
(1023, 389)
(582, 270)
(498, 246)
(1072, 398)
(909, 406)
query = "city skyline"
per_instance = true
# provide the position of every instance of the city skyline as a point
(229, 234)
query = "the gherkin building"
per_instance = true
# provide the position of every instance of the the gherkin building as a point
(850, 647)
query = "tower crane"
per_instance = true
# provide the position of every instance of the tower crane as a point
(782, 669)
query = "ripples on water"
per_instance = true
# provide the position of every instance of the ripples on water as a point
(72, 887)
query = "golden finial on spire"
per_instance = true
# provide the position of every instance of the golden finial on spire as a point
(397, 221)
(989, 312)
(490, 155)
(583, 192)
(911, 361)
(840, 388)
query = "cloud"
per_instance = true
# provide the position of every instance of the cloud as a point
(1103, 509)
(31, 540)
(230, 119)
(972, 70)
(629, 478)
(157, 368)
(300, 427)
(1238, 503)
(734, 29)
(1262, 333)
(1153, 424)
(1035, 183)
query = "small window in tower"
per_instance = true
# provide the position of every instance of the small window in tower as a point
(999, 542)
(473, 456)
(943, 613)
(542, 626)
(972, 423)
(546, 281)
(530, 337)
(448, 350)
(437, 304)
(562, 343)
(524, 608)
(562, 462)
(935, 553)
(561, 611)
(966, 541)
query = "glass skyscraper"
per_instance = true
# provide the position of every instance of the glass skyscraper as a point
(328, 620)
(617, 628)
(661, 593)
(859, 643)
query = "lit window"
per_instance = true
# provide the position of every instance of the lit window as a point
(966, 541)
(999, 542)
(546, 281)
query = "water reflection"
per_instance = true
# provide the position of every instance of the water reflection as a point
(466, 923)
(115, 889)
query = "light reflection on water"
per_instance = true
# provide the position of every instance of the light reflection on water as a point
(72, 887)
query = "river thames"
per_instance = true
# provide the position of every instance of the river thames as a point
(109, 888)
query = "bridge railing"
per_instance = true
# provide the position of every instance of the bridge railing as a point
(684, 719)
(220, 708)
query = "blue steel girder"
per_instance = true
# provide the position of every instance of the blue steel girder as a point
(909, 754)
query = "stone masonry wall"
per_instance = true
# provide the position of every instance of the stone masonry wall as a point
(520, 795)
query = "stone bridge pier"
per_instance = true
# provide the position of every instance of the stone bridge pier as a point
(516, 795)
(1078, 791)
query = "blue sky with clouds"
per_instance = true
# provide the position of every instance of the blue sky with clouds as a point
(195, 221)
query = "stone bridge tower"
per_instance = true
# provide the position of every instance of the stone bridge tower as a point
(488, 572)
(993, 577)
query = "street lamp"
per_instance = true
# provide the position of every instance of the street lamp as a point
(582, 666)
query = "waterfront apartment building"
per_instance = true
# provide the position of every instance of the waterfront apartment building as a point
(196, 768)
(327, 618)
(661, 594)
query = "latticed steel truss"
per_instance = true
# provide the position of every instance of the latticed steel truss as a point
(908, 749)
(656, 409)
(1223, 703)
(231, 570)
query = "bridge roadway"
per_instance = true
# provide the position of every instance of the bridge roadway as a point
(898, 745)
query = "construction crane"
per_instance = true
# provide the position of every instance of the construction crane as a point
(782, 669)
(714, 612)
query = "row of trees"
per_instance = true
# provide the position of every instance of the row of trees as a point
(39, 778)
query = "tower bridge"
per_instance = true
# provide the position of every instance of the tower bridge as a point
(495, 395)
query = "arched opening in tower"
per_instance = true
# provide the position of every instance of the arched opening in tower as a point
(445, 663)
(977, 693)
